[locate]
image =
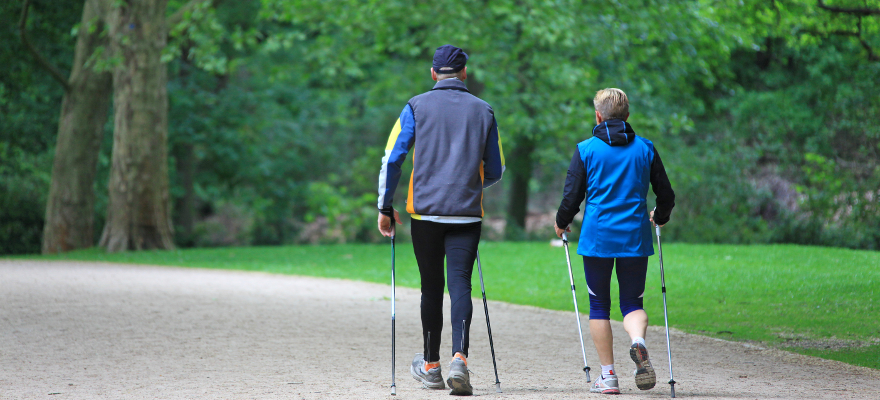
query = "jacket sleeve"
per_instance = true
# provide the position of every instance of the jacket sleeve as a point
(574, 193)
(493, 157)
(399, 143)
(662, 189)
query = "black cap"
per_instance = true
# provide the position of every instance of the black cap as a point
(450, 57)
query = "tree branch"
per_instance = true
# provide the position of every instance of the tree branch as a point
(836, 32)
(854, 11)
(871, 55)
(859, 13)
(42, 61)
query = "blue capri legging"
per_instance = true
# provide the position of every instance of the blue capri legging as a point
(631, 273)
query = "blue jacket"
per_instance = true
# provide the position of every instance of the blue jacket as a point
(612, 170)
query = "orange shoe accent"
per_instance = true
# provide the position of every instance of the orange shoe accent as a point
(429, 366)
(460, 357)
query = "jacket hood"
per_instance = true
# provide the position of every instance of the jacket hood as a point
(614, 132)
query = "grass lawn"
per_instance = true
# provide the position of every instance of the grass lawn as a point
(811, 300)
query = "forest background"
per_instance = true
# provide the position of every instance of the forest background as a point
(266, 120)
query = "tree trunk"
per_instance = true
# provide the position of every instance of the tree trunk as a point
(138, 213)
(186, 205)
(521, 168)
(70, 207)
(184, 157)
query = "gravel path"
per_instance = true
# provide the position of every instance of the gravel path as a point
(105, 331)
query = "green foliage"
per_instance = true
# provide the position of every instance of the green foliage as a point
(803, 24)
(823, 185)
(764, 112)
(817, 138)
(26, 90)
(715, 203)
(537, 63)
(795, 297)
(274, 141)
(208, 36)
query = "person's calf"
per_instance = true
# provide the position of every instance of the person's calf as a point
(635, 323)
(600, 330)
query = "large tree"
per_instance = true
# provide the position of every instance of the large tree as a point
(138, 213)
(119, 51)
(70, 206)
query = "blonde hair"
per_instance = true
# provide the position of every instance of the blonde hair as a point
(611, 103)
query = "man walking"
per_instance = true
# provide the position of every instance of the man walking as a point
(612, 170)
(456, 154)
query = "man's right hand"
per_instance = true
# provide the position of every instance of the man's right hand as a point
(385, 226)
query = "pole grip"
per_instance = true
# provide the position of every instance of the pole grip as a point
(393, 228)
(564, 237)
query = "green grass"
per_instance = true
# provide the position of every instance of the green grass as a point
(811, 300)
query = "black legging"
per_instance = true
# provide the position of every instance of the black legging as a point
(458, 243)
(631, 272)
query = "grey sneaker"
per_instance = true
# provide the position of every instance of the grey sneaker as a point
(459, 379)
(645, 377)
(605, 385)
(431, 379)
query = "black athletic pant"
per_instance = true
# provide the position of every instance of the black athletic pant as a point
(458, 243)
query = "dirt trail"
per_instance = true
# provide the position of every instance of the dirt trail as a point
(104, 331)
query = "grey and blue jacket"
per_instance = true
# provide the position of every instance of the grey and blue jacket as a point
(612, 170)
(456, 153)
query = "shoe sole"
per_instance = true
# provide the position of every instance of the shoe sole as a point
(425, 383)
(605, 391)
(460, 385)
(645, 376)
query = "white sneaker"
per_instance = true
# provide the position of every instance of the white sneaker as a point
(605, 385)
(645, 377)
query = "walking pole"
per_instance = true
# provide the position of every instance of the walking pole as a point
(488, 325)
(665, 313)
(393, 294)
(576, 313)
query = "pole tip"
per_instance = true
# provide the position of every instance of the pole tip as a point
(393, 391)
(498, 387)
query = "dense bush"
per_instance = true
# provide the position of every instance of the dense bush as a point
(25, 182)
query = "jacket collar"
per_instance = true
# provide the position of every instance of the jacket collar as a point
(451, 84)
(614, 132)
